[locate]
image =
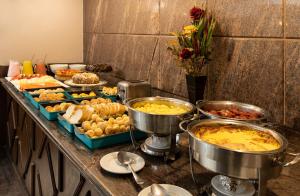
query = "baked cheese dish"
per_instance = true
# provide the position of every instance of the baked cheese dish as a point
(237, 138)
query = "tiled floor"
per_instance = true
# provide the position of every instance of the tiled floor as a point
(10, 183)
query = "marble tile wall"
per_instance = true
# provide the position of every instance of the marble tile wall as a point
(256, 55)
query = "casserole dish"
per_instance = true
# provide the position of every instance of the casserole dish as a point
(236, 163)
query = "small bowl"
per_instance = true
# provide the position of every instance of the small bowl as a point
(55, 67)
(77, 66)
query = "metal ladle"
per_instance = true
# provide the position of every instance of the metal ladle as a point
(158, 190)
(124, 159)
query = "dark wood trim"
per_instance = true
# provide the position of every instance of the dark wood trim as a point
(55, 191)
(18, 109)
(17, 149)
(14, 116)
(13, 139)
(33, 134)
(79, 186)
(60, 173)
(8, 107)
(20, 152)
(42, 146)
(23, 121)
(27, 164)
(32, 183)
(9, 140)
(39, 183)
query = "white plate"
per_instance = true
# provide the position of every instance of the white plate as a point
(111, 164)
(17, 85)
(172, 190)
(71, 83)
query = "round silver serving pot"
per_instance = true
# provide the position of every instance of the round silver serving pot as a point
(158, 124)
(203, 106)
(237, 164)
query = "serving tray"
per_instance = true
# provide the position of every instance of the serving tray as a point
(84, 91)
(65, 124)
(109, 140)
(52, 115)
(113, 98)
(71, 83)
(36, 104)
(31, 90)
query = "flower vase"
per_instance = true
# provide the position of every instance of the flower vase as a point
(195, 87)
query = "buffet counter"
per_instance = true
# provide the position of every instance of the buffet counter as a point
(51, 161)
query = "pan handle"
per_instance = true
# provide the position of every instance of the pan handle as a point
(126, 100)
(183, 124)
(199, 101)
(294, 161)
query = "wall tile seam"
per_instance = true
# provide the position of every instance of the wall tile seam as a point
(159, 30)
(284, 60)
(96, 20)
(227, 37)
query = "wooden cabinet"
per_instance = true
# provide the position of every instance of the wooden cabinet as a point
(44, 169)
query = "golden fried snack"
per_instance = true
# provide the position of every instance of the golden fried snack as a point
(50, 97)
(109, 90)
(109, 109)
(111, 126)
(39, 91)
(58, 107)
(95, 101)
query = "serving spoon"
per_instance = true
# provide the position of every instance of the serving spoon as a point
(124, 159)
(158, 190)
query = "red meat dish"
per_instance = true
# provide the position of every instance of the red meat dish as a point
(235, 113)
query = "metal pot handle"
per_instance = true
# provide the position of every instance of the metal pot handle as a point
(266, 124)
(126, 100)
(292, 162)
(182, 123)
(199, 101)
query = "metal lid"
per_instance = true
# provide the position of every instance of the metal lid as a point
(132, 82)
(225, 186)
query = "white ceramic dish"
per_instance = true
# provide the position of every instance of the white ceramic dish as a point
(55, 67)
(71, 83)
(111, 164)
(17, 84)
(77, 66)
(171, 190)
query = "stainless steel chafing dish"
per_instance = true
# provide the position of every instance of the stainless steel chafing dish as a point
(242, 165)
(203, 106)
(155, 123)
(162, 127)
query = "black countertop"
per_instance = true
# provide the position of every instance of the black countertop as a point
(156, 170)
